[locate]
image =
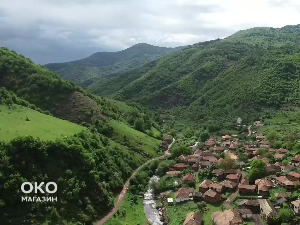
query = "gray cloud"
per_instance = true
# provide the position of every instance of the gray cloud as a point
(55, 31)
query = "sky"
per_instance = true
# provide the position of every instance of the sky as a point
(64, 30)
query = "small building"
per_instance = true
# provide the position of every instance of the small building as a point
(263, 186)
(219, 174)
(226, 137)
(205, 164)
(293, 176)
(198, 196)
(247, 189)
(229, 185)
(195, 167)
(212, 196)
(286, 183)
(211, 159)
(245, 213)
(273, 169)
(282, 197)
(173, 173)
(193, 218)
(210, 142)
(282, 151)
(295, 161)
(170, 201)
(182, 159)
(226, 217)
(188, 178)
(204, 186)
(217, 187)
(296, 206)
(279, 156)
(260, 137)
(183, 194)
(180, 166)
(253, 205)
(234, 177)
(267, 210)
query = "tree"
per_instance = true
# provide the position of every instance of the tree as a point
(277, 144)
(181, 150)
(257, 170)
(139, 124)
(286, 215)
(285, 162)
(227, 163)
(272, 136)
(204, 136)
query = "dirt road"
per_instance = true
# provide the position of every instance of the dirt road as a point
(124, 190)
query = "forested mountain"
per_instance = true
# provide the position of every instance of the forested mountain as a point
(250, 70)
(85, 71)
(89, 160)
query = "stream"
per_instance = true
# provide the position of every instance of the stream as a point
(149, 203)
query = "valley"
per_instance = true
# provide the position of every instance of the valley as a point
(102, 126)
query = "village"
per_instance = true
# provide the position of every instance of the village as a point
(225, 189)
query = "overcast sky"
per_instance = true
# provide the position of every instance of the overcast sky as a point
(64, 30)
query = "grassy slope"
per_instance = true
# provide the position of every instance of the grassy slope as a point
(135, 140)
(13, 124)
(133, 214)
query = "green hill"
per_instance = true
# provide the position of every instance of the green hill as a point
(56, 131)
(99, 65)
(20, 121)
(240, 75)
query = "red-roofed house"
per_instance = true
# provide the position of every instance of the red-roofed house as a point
(234, 177)
(180, 166)
(293, 176)
(188, 178)
(204, 186)
(212, 196)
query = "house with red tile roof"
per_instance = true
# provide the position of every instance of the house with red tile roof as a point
(188, 178)
(180, 166)
(211, 159)
(293, 176)
(263, 186)
(247, 189)
(234, 177)
(212, 196)
(217, 187)
(173, 173)
(278, 156)
(183, 194)
(204, 186)
(226, 217)
(295, 161)
(193, 218)
(286, 183)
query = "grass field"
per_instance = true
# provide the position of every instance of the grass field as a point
(177, 212)
(13, 124)
(134, 139)
(129, 213)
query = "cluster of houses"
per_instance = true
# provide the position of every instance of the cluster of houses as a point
(233, 180)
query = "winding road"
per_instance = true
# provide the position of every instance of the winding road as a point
(125, 187)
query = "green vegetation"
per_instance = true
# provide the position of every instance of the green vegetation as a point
(133, 139)
(20, 121)
(130, 212)
(242, 75)
(101, 65)
(81, 165)
(257, 170)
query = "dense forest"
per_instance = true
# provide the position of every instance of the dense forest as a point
(100, 65)
(241, 75)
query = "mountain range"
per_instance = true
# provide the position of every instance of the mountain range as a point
(102, 64)
(242, 75)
